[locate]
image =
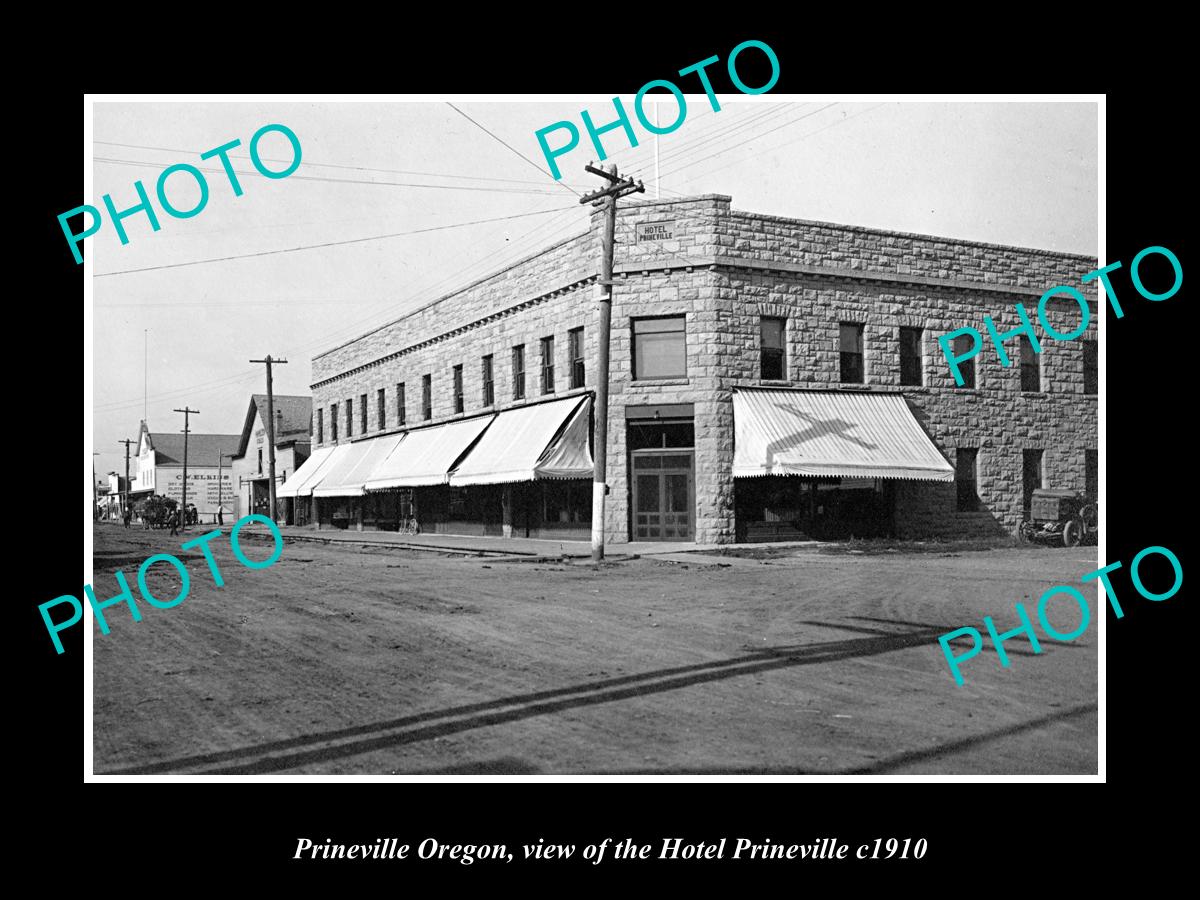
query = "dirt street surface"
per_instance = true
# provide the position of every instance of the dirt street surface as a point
(344, 660)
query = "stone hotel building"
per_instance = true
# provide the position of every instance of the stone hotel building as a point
(771, 378)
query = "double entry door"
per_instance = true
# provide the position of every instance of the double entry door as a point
(663, 495)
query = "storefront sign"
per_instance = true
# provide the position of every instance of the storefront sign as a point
(204, 489)
(655, 231)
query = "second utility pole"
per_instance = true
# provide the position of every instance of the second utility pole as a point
(126, 442)
(271, 430)
(606, 198)
(183, 504)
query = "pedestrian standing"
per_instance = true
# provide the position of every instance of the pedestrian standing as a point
(127, 516)
(220, 515)
(173, 520)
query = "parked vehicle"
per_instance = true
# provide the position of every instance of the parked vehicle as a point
(1060, 515)
(155, 511)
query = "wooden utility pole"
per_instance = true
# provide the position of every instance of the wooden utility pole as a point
(271, 430)
(95, 498)
(607, 198)
(183, 505)
(126, 442)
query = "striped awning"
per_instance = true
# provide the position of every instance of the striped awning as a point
(540, 440)
(427, 455)
(347, 477)
(301, 482)
(832, 433)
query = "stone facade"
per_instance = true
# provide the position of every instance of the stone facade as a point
(724, 269)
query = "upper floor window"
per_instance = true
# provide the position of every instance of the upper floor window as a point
(320, 425)
(489, 387)
(1091, 367)
(1031, 369)
(575, 350)
(851, 345)
(771, 341)
(660, 348)
(427, 397)
(458, 389)
(910, 356)
(518, 372)
(548, 365)
(966, 368)
(362, 414)
(349, 417)
(333, 422)
(401, 417)
(381, 396)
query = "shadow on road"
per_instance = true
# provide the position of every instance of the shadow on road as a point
(326, 746)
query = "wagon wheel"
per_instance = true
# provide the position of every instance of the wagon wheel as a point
(1090, 516)
(1072, 533)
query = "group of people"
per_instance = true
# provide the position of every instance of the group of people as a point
(190, 516)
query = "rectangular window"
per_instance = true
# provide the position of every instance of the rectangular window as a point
(1091, 474)
(1091, 367)
(910, 357)
(427, 397)
(966, 478)
(333, 422)
(349, 417)
(362, 414)
(401, 416)
(548, 365)
(966, 369)
(1031, 474)
(1031, 369)
(518, 372)
(771, 343)
(320, 425)
(489, 386)
(458, 390)
(382, 395)
(260, 460)
(660, 348)
(850, 337)
(575, 351)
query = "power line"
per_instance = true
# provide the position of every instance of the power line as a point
(379, 237)
(754, 137)
(408, 184)
(512, 148)
(719, 132)
(334, 165)
(793, 140)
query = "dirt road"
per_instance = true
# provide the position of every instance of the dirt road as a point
(348, 661)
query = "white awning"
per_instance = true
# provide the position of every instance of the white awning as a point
(426, 455)
(347, 477)
(541, 440)
(832, 433)
(300, 483)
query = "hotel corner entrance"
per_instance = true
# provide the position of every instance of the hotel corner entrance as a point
(663, 496)
(662, 480)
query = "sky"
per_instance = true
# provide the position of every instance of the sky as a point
(419, 180)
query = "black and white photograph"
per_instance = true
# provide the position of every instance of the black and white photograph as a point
(730, 451)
